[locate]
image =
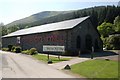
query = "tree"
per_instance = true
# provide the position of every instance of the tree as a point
(105, 29)
(13, 28)
(101, 15)
(113, 42)
(4, 30)
(94, 17)
(117, 24)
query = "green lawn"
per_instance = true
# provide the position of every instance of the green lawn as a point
(45, 58)
(96, 69)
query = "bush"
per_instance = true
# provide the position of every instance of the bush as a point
(113, 43)
(5, 49)
(13, 49)
(10, 47)
(33, 51)
(16, 49)
(26, 52)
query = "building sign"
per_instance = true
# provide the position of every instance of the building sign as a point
(53, 48)
(46, 38)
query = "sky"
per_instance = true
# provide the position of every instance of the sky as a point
(11, 10)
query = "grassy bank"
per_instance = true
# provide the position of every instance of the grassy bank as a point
(96, 69)
(45, 58)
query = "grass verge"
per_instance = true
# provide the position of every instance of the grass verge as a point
(45, 58)
(96, 69)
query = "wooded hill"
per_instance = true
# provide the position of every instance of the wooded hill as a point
(98, 15)
(36, 17)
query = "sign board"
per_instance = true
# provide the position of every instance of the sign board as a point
(52, 48)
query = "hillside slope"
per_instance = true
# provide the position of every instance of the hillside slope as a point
(98, 15)
(35, 17)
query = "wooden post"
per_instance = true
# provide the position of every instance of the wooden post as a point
(48, 57)
(59, 56)
(92, 52)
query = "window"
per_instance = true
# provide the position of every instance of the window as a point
(18, 40)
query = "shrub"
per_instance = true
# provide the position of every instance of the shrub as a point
(33, 51)
(26, 52)
(16, 49)
(113, 42)
(10, 47)
(5, 49)
(13, 49)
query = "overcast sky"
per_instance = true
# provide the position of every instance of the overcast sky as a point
(11, 10)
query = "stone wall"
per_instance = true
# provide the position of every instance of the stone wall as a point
(9, 41)
(82, 30)
(82, 37)
(38, 40)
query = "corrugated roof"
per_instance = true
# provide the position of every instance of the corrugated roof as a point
(68, 24)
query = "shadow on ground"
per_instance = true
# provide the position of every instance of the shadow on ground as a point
(99, 54)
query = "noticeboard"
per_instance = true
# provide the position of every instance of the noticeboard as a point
(53, 48)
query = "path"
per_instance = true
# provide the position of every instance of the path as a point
(75, 60)
(114, 56)
(21, 66)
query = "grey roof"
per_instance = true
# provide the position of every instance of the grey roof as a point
(68, 24)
